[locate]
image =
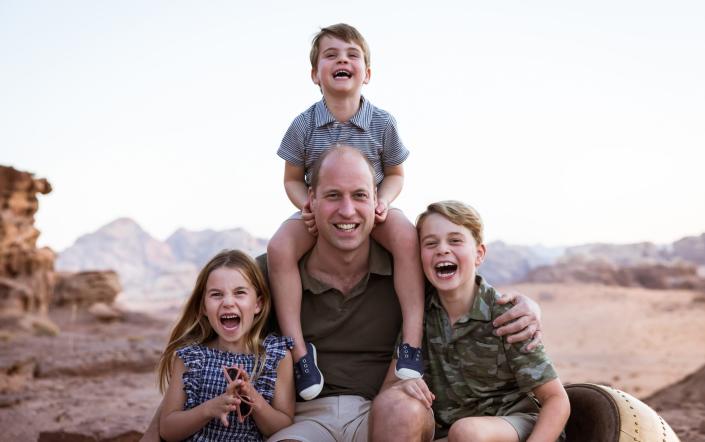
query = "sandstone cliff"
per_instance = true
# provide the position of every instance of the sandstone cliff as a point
(26, 273)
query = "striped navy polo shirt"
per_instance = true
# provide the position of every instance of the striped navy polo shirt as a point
(371, 130)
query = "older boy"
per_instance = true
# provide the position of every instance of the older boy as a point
(483, 385)
(340, 66)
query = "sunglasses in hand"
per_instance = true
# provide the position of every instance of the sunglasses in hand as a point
(233, 374)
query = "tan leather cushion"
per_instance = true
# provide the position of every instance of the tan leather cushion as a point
(603, 414)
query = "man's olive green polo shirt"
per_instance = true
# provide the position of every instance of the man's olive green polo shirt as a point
(473, 372)
(354, 334)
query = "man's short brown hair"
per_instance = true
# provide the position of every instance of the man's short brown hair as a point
(343, 32)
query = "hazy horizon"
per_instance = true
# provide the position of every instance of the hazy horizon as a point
(164, 238)
(561, 123)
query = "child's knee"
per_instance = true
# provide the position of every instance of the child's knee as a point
(279, 250)
(466, 429)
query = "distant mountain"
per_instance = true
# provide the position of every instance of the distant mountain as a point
(621, 254)
(506, 264)
(690, 248)
(122, 246)
(149, 268)
(680, 265)
(199, 247)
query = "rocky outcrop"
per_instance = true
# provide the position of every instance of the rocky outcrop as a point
(683, 405)
(691, 248)
(26, 273)
(620, 254)
(676, 275)
(86, 288)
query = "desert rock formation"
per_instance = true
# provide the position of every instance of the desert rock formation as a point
(86, 288)
(26, 273)
(578, 269)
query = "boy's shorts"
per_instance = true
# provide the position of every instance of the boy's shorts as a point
(522, 416)
(334, 418)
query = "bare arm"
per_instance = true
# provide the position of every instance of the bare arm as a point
(389, 190)
(152, 432)
(555, 409)
(522, 322)
(176, 423)
(295, 185)
(280, 414)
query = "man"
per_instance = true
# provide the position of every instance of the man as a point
(352, 315)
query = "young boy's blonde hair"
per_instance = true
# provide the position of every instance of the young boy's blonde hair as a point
(458, 213)
(343, 32)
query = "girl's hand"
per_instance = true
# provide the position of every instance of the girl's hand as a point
(245, 388)
(309, 219)
(220, 406)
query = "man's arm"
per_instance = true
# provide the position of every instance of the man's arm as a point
(521, 322)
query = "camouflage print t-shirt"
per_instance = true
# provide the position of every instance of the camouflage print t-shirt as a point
(473, 372)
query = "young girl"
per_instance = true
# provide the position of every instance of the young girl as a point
(224, 381)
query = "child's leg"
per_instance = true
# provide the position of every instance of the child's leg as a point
(399, 237)
(482, 429)
(284, 251)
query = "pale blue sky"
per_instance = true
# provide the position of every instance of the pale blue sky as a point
(560, 122)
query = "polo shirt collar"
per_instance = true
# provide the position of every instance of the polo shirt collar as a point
(483, 300)
(361, 119)
(379, 261)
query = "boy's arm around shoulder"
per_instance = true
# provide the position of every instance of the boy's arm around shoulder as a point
(555, 410)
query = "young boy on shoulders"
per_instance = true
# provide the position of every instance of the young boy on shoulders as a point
(340, 66)
(484, 388)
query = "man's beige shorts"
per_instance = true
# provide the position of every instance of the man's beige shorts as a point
(334, 418)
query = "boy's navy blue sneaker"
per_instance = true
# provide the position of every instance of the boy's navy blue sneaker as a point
(308, 378)
(409, 362)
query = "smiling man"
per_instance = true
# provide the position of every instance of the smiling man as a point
(350, 311)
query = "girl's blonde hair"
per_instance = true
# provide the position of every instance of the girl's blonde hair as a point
(193, 327)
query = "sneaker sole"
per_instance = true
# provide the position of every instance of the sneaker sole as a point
(314, 390)
(406, 373)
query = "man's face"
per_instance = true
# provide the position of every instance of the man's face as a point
(341, 68)
(344, 201)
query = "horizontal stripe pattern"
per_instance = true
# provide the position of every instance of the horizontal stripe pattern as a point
(371, 130)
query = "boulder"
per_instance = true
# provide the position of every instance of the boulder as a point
(84, 289)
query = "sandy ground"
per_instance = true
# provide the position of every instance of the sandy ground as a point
(95, 381)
